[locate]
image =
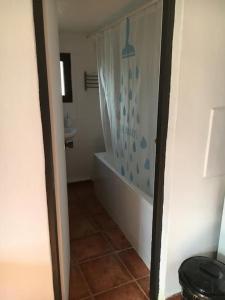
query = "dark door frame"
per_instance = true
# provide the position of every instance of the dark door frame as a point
(47, 140)
(162, 126)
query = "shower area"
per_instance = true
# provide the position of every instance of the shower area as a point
(128, 57)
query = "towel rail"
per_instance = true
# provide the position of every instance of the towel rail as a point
(90, 81)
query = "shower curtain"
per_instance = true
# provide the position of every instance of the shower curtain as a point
(128, 68)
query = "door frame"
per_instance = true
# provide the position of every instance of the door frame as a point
(162, 128)
(47, 140)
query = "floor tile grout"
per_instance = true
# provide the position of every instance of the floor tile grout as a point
(85, 280)
(109, 240)
(95, 258)
(88, 235)
(135, 279)
(112, 252)
(140, 287)
(114, 288)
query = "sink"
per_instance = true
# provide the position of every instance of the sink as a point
(69, 132)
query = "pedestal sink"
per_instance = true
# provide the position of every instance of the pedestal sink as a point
(69, 133)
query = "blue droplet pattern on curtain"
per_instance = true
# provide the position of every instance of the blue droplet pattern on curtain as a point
(129, 82)
(137, 142)
(131, 74)
(128, 66)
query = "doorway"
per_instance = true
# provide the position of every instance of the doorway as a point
(85, 190)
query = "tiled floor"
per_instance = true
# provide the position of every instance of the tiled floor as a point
(104, 266)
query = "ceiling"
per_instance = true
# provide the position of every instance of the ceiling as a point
(86, 16)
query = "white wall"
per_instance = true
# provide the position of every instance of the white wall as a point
(193, 204)
(25, 260)
(56, 110)
(84, 110)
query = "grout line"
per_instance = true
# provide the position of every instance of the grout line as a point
(125, 249)
(86, 236)
(132, 280)
(140, 287)
(93, 258)
(143, 277)
(114, 247)
(114, 252)
(92, 294)
(96, 257)
(108, 239)
(135, 279)
(85, 280)
(123, 264)
(110, 251)
(114, 288)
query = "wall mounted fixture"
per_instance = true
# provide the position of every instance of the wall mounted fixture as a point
(90, 81)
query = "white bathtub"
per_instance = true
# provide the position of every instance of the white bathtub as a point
(129, 207)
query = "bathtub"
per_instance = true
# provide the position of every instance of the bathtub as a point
(128, 206)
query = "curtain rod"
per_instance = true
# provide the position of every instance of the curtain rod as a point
(113, 24)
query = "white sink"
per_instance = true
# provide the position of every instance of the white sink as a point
(69, 132)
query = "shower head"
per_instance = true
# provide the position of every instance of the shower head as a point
(129, 49)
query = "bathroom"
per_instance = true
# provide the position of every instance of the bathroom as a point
(92, 230)
(109, 65)
(100, 247)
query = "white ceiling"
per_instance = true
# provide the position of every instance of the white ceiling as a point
(87, 16)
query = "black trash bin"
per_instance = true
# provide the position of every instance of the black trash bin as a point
(202, 278)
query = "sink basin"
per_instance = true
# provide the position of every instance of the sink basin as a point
(69, 132)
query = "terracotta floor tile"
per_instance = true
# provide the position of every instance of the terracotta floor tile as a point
(117, 239)
(134, 263)
(71, 189)
(104, 273)
(82, 203)
(88, 206)
(145, 284)
(81, 226)
(84, 189)
(94, 207)
(81, 191)
(126, 292)
(76, 207)
(72, 197)
(89, 247)
(104, 222)
(78, 287)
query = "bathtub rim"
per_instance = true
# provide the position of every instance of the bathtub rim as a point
(132, 187)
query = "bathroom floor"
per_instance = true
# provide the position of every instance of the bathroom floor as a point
(103, 263)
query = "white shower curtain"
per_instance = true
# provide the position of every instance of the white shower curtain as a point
(128, 68)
